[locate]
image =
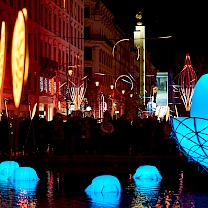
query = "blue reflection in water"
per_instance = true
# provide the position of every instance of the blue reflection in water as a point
(66, 189)
(19, 190)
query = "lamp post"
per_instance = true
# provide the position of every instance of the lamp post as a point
(68, 73)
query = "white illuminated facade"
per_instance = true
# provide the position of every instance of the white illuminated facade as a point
(139, 41)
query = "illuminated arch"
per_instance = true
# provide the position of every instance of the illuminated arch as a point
(125, 39)
(123, 75)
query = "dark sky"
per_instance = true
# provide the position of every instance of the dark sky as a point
(187, 21)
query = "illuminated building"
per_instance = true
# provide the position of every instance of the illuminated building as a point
(56, 40)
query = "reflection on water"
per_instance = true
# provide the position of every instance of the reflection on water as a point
(17, 195)
(65, 188)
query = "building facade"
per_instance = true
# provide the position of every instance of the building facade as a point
(79, 37)
(112, 59)
(56, 41)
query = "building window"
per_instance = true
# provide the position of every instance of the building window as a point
(49, 19)
(54, 26)
(87, 12)
(46, 17)
(49, 85)
(49, 53)
(60, 32)
(35, 48)
(54, 87)
(35, 81)
(87, 32)
(45, 85)
(29, 81)
(41, 84)
(88, 53)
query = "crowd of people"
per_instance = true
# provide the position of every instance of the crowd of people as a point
(86, 135)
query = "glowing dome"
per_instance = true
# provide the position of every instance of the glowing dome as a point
(24, 174)
(104, 183)
(145, 172)
(7, 168)
(105, 190)
(191, 133)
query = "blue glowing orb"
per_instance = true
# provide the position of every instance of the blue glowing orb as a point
(24, 174)
(200, 98)
(146, 172)
(7, 168)
(105, 190)
(191, 133)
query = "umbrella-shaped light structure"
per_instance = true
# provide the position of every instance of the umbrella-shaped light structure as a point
(191, 133)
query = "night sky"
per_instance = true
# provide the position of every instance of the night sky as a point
(186, 21)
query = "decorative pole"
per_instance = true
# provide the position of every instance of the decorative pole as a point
(187, 80)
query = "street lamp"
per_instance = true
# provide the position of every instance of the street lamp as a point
(68, 73)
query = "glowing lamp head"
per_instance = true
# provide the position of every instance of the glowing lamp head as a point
(123, 91)
(97, 83)
(112, 86)
(70, 72)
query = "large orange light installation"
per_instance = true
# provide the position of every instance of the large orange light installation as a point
(24, 10)
(2, 57)
(20, 62)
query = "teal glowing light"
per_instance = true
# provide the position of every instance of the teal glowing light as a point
(191, 133)
(24, 174)
(7, 168)
(200, 98)
(146, 172)
(147, 181)
(105, 190)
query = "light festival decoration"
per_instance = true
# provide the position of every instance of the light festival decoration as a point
(191, 133)
(128, 77)
(2, 57)
(113, 51)
(146, 172)
(7, 168)
(19, 56)
(187, 79)
(21, 180)
(24, 180)
(105, 190)
(24, 174)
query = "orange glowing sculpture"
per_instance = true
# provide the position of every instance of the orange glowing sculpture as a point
(20, 57)
(2, 57)
(187, 80)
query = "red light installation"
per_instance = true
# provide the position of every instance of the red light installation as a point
(187, 80)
